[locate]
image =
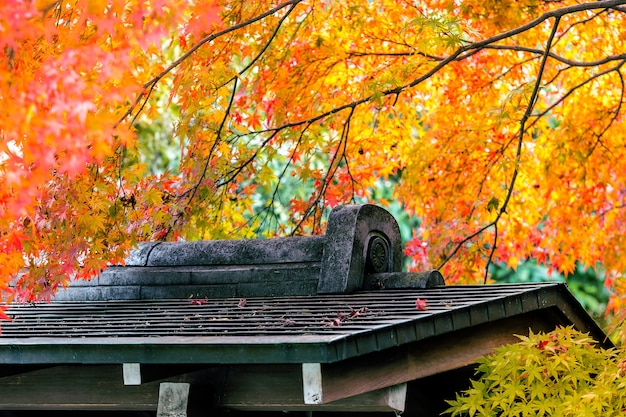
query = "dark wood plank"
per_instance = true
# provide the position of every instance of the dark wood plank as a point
(428, 357)
(86, 387)
(279, 387)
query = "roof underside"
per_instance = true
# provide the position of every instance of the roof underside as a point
(323, 328)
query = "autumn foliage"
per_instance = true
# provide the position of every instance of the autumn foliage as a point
(562, 373)
(501, 121)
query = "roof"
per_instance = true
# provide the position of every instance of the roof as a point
(304, 329)
(310, 323)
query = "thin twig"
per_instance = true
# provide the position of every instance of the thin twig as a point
(492, 252)
(538, 116)
(330, 173)
(228, 109)
(147, 87)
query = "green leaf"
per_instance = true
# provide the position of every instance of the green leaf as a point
(493, 204)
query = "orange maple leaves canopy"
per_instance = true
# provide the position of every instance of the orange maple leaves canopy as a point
(501, 122)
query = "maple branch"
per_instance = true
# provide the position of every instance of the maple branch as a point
(359, 54)
(515, 48)
(275, 194)
(267, 44)
(580, 22)
(522, 130)
(538, 116)
(233, 174)
(614, 116)
(193, 190)
(147, 87)
(605, 212)
(492, 252)
(352, 180)
(518, 155)
(460, 53)
(557, 57)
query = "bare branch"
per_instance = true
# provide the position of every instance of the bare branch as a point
(614, 116)
(558, 57)
(605, 212)
(282, 174)
(232, 174)
(332, 168)
(234, 80)
(492, 252)
(515, 48)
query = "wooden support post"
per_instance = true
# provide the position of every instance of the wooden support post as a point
(132, 373)
(173, 399)
(396, 397)
(312, 383)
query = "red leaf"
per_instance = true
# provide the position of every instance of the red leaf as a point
(421, 304)
(14, 240)
(3, 316)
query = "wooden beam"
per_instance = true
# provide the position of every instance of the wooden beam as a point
(77, 387)
(281, 388)
(429, 357)
(98, 387)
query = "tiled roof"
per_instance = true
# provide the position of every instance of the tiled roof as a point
(320, 328)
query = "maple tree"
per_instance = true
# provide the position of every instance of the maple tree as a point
(500, 120)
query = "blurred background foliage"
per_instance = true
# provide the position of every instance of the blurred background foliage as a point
(586, 283)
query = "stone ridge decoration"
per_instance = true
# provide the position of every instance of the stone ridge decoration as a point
(361, 243)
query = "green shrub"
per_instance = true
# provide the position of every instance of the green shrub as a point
(561, 373)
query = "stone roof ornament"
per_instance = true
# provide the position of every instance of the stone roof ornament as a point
(360, 239)
(361, 250)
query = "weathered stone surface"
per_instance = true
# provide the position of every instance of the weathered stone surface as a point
(133, 283)
(139, 256)
(350, 232)
(398, 280)
(73, 293)
(160, 292)
(137, 275)
(99, 293)
(360, 250)
(237, 252)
